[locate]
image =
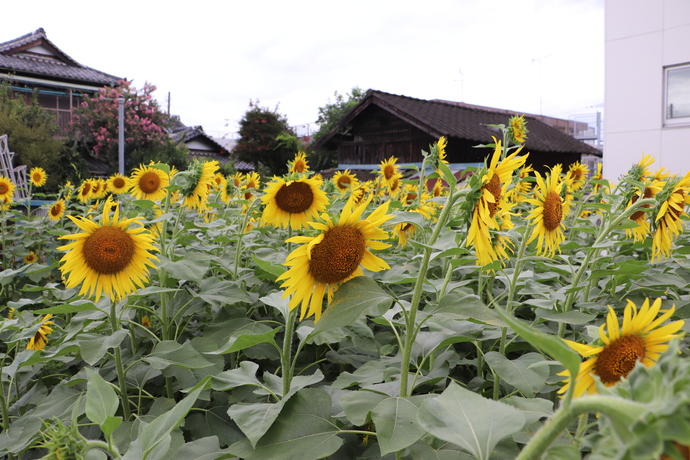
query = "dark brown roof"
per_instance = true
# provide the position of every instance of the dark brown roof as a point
(443, 118)
(17, 57)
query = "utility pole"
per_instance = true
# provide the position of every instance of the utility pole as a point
(541, 86)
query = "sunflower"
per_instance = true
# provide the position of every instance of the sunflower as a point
(117, 184)
(299, 164)
(667, 225)
(146, 321)
(251, 183)
(291, 204)
(30, 258)
(523, 186)
(112, 258)
(598, 176)
(345, 181)
(492, 198)
(394, 185)
(388, 171)
(577, 176)
(548, 213)
(517, 128)
(147, 183)
(639, 339)
(199, 184)
(39, 341)
(642, 230)
(334, 256)
(84, 193)
(99, 188)
(38, 177)
(6, 189)
(441, 153)
(219, 181)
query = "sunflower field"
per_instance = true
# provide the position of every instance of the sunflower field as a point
(506, 314)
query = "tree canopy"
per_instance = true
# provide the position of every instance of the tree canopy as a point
(95, 128)
(266, 140)
(30, 133)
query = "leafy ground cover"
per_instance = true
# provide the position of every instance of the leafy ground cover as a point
(177, 315)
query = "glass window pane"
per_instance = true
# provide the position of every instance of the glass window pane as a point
(678, 87)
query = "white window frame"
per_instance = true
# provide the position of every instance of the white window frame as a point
(668, 121)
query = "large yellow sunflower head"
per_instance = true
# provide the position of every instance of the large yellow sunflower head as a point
(517, 129)
(299, 164)
(6, 189)
(40, 339)
(292, 203)
(668, 210)
(548, 213)
(30, 258)
(84, 194)
(345, 181)
(641, 337)
(577, 176)
(111, 258)
(99, 188)
(57, 210)
(148, 183)
(199, 183)
(38, 177)
(219, 181)
(388, 171)
(335, 255)
(117, 184)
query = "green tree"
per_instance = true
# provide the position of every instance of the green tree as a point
(30, 133)
(329, 116)
(95, 129)
(265, 140)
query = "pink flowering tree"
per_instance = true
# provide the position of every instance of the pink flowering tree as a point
(94, 127)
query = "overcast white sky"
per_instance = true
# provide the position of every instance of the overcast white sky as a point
(531, 56)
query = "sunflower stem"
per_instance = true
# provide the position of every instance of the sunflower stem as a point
(411, 318)
(121, 377)
(108, 448)
(620, 410)
(604, 231)
(286, 355)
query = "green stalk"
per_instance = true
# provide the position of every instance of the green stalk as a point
(108, 448)
(605, 230)
(615, 408)
(410, 320)
(509, 303)
(286, 355)
(121, 377)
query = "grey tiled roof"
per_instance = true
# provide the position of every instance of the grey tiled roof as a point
(60, 66)
(443, 118)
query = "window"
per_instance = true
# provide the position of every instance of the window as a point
(677, 95)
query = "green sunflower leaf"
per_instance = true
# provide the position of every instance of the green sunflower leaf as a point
(353, 299)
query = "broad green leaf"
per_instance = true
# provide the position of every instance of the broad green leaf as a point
(353, 299)
(563, 452)
(193, 266)
(551, 345)
(73, 307)
(366, 374)
(359, 404)
(110, 425)
(248, 337)
(207, 448)
(170, 353)
(243, 375)
(275, 299)
(269, 267)
(101, 400)
(254, 419)
(571, 317)
(160, 428)
(94, 346)
(517, 372)
(218, 292)
(304, 430)
(468, 307)
(469, 420)
(396, 423)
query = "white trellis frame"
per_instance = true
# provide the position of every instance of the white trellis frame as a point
(15, 174)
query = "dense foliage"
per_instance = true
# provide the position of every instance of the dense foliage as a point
(213, 350)
(265, 140)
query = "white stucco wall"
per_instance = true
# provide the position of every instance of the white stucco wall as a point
(641, 37)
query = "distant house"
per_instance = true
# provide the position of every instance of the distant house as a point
(647, 85)
(32, 62)
(201, 146)
(384, 125)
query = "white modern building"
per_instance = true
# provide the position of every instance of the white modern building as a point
(647, 85)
